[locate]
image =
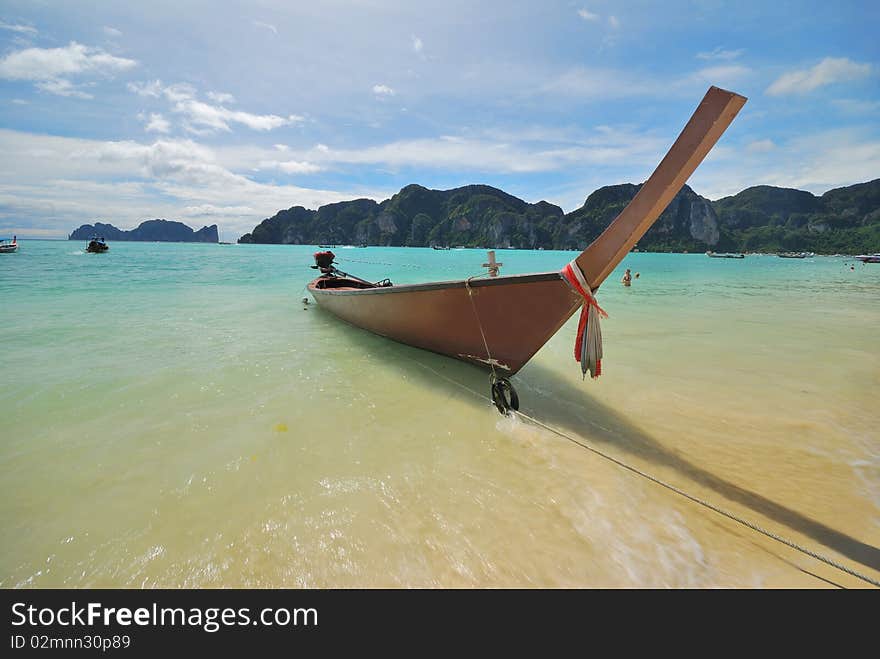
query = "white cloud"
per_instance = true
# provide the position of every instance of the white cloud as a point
(721, 75)
(816, 162)
(292, 166)
(51, 63)
(587, 15)
(221, 97)
(266, 26)
(417, 44)
(828, 71)
(183, 160)
(498, 151)
(854, 106)
(214, 117)
(603, 146)
(832, 159)
(720, 53)
(112, 31)
(760, 146)
(179, 92)
(153, 88)
(63, 182)
(21, 29)
(19, 101)
(600, 84)
(281, 147)
(156, 124)
(201, 117)
(383, 90)
(446, 151)
(604, 84)
(61, 87)
(614, 22)
(211, 209)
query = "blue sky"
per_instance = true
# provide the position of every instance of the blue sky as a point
(225, 112)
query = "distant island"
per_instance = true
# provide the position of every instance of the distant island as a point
(149, 231)
(758, 219)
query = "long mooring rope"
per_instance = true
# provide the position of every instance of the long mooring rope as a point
(672, 488)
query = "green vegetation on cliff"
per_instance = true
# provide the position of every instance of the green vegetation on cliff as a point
(761, 218)
(417, 217)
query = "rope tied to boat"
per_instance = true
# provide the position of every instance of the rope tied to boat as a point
(470, 292)
(588, 344)
(504, 396)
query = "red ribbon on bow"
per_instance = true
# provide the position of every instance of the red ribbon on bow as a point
(579, 284)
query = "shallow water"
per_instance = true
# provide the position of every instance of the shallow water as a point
(174, 417)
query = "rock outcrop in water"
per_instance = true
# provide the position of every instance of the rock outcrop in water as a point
(761, 218)
(149, 231)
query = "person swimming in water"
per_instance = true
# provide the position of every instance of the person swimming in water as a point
(627, 278)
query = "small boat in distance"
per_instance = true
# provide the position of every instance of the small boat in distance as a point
(869, 258)
(97, 246)
(438, 247)
(793, 255)
(713, 255)
(500, 322)
(8, 246)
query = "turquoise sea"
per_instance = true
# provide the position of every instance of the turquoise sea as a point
(175, 416)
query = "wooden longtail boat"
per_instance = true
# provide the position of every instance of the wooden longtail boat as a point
(501, 322)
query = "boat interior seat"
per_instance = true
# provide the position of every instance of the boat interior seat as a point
(341, 282)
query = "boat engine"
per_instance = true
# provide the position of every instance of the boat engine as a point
(324, 262)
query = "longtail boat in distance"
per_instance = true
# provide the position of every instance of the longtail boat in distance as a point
(500, 322)
(97, 246)
(715, 255)
(8, 246)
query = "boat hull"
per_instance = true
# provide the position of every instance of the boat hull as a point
(518, 315)
(503, 321)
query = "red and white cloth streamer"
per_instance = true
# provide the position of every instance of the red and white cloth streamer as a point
(588, 345)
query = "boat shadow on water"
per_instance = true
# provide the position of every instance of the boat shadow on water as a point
(569, 409)
(552, 400)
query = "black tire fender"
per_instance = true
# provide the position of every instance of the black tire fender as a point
(504, 396)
